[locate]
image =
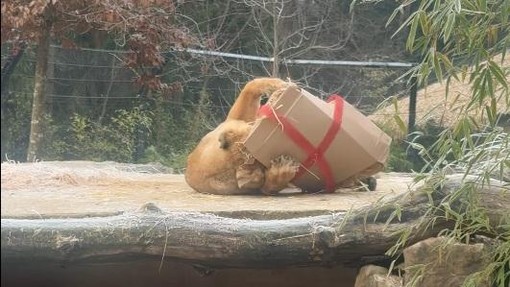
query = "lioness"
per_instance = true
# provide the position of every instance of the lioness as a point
(220, 165)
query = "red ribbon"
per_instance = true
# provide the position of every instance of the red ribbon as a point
(315, 154)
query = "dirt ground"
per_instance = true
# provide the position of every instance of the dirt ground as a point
(79, 188)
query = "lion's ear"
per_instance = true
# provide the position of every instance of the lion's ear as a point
(234, 132)
(225, 139)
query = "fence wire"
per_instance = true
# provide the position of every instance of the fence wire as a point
(97, 84)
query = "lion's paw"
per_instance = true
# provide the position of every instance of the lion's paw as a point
(278, 176)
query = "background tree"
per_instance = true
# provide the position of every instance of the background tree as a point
(87, 89)
(143, 27)
(284, 29)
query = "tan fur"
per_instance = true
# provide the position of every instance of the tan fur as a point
(212, 169)
(220, 165)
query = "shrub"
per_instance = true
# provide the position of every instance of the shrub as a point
(84, 139)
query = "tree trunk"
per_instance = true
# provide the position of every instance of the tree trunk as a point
(10, 64)
(356, 237)
(7, 69)
(38, 106)
(276, 44)
(49, 87)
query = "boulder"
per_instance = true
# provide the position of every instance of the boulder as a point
(376, 276)
(436, 262)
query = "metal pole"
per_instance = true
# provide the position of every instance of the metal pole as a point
(412, 106)
(412, 155)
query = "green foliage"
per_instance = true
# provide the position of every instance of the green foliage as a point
(85, 139)
(95, 83)
(16, 108)
(15, 127)
(469, 34)
(177, 160)
(176, 130)
(399, 160)
(410, 154)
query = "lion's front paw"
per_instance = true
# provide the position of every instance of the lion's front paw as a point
(278, 176)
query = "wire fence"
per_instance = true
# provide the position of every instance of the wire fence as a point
(96, 83)
(72, 69)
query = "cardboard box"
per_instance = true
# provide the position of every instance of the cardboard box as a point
(358, 148)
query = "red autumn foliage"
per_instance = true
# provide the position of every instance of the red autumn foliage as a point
(144, 27)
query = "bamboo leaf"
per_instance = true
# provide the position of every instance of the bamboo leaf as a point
(437, 66)
(353, 4)
(412, 34)
(498, 74)
(399, 10)
(483, 5)
(424, 23)
(490, 115)
(400, 123)
(457, 6)
(448, 27)
(488, 84)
